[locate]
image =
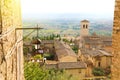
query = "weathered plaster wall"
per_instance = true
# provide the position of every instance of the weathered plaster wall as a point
(11, 57)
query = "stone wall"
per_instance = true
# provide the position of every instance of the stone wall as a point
(116, 43)
(78, 74)
(11, 55)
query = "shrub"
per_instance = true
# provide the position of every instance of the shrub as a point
(75, 49)
(49, 56)
(38, 56)
(98, 72)
(33, 71)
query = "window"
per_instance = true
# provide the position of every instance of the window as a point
(99, 64)
(83, 26)
(86, 26)
(80, 71)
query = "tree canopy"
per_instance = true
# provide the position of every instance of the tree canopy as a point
(33, 71)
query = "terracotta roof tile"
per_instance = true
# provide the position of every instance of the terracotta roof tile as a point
(63, 50)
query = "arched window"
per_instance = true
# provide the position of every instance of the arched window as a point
(83, 26)
(86, 26)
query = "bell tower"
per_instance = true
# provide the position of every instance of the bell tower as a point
(84, 28)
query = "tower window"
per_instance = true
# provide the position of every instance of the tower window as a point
(83, 26)
(86, 26)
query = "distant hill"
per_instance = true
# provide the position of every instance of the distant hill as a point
(70, 24)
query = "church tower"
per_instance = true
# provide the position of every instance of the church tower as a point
(84, 28)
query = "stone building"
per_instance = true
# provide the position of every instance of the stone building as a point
(75, 69)
(66, 59)
(94, 50)
(64, 53)
(97, 42)
(99, 58)
(11, 48)
(95, 58)
(46, 45)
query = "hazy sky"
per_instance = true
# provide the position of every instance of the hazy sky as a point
(96, 7)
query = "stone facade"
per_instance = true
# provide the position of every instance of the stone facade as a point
(77, 73)
(116, 43)
(74, 69)
(11, 57)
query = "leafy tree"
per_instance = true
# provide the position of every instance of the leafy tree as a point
(49, 37)
(65, 40)
(58, 35)
(38, 56)
(33, 71)
(75, 49)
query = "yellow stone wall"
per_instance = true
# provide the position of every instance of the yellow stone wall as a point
(116, 43)
(88, 71)
(104, 62)
(11, 52)
(77, 73)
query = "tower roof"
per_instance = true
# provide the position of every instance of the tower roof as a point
(85, 20)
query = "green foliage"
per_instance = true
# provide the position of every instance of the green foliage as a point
(38, 56)
(49, 37)
(55, 74)
(98, 72)
(49, 56)
(33, 71)
(65, 40)
(25, 50)
(71, 27)
(75, 49)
